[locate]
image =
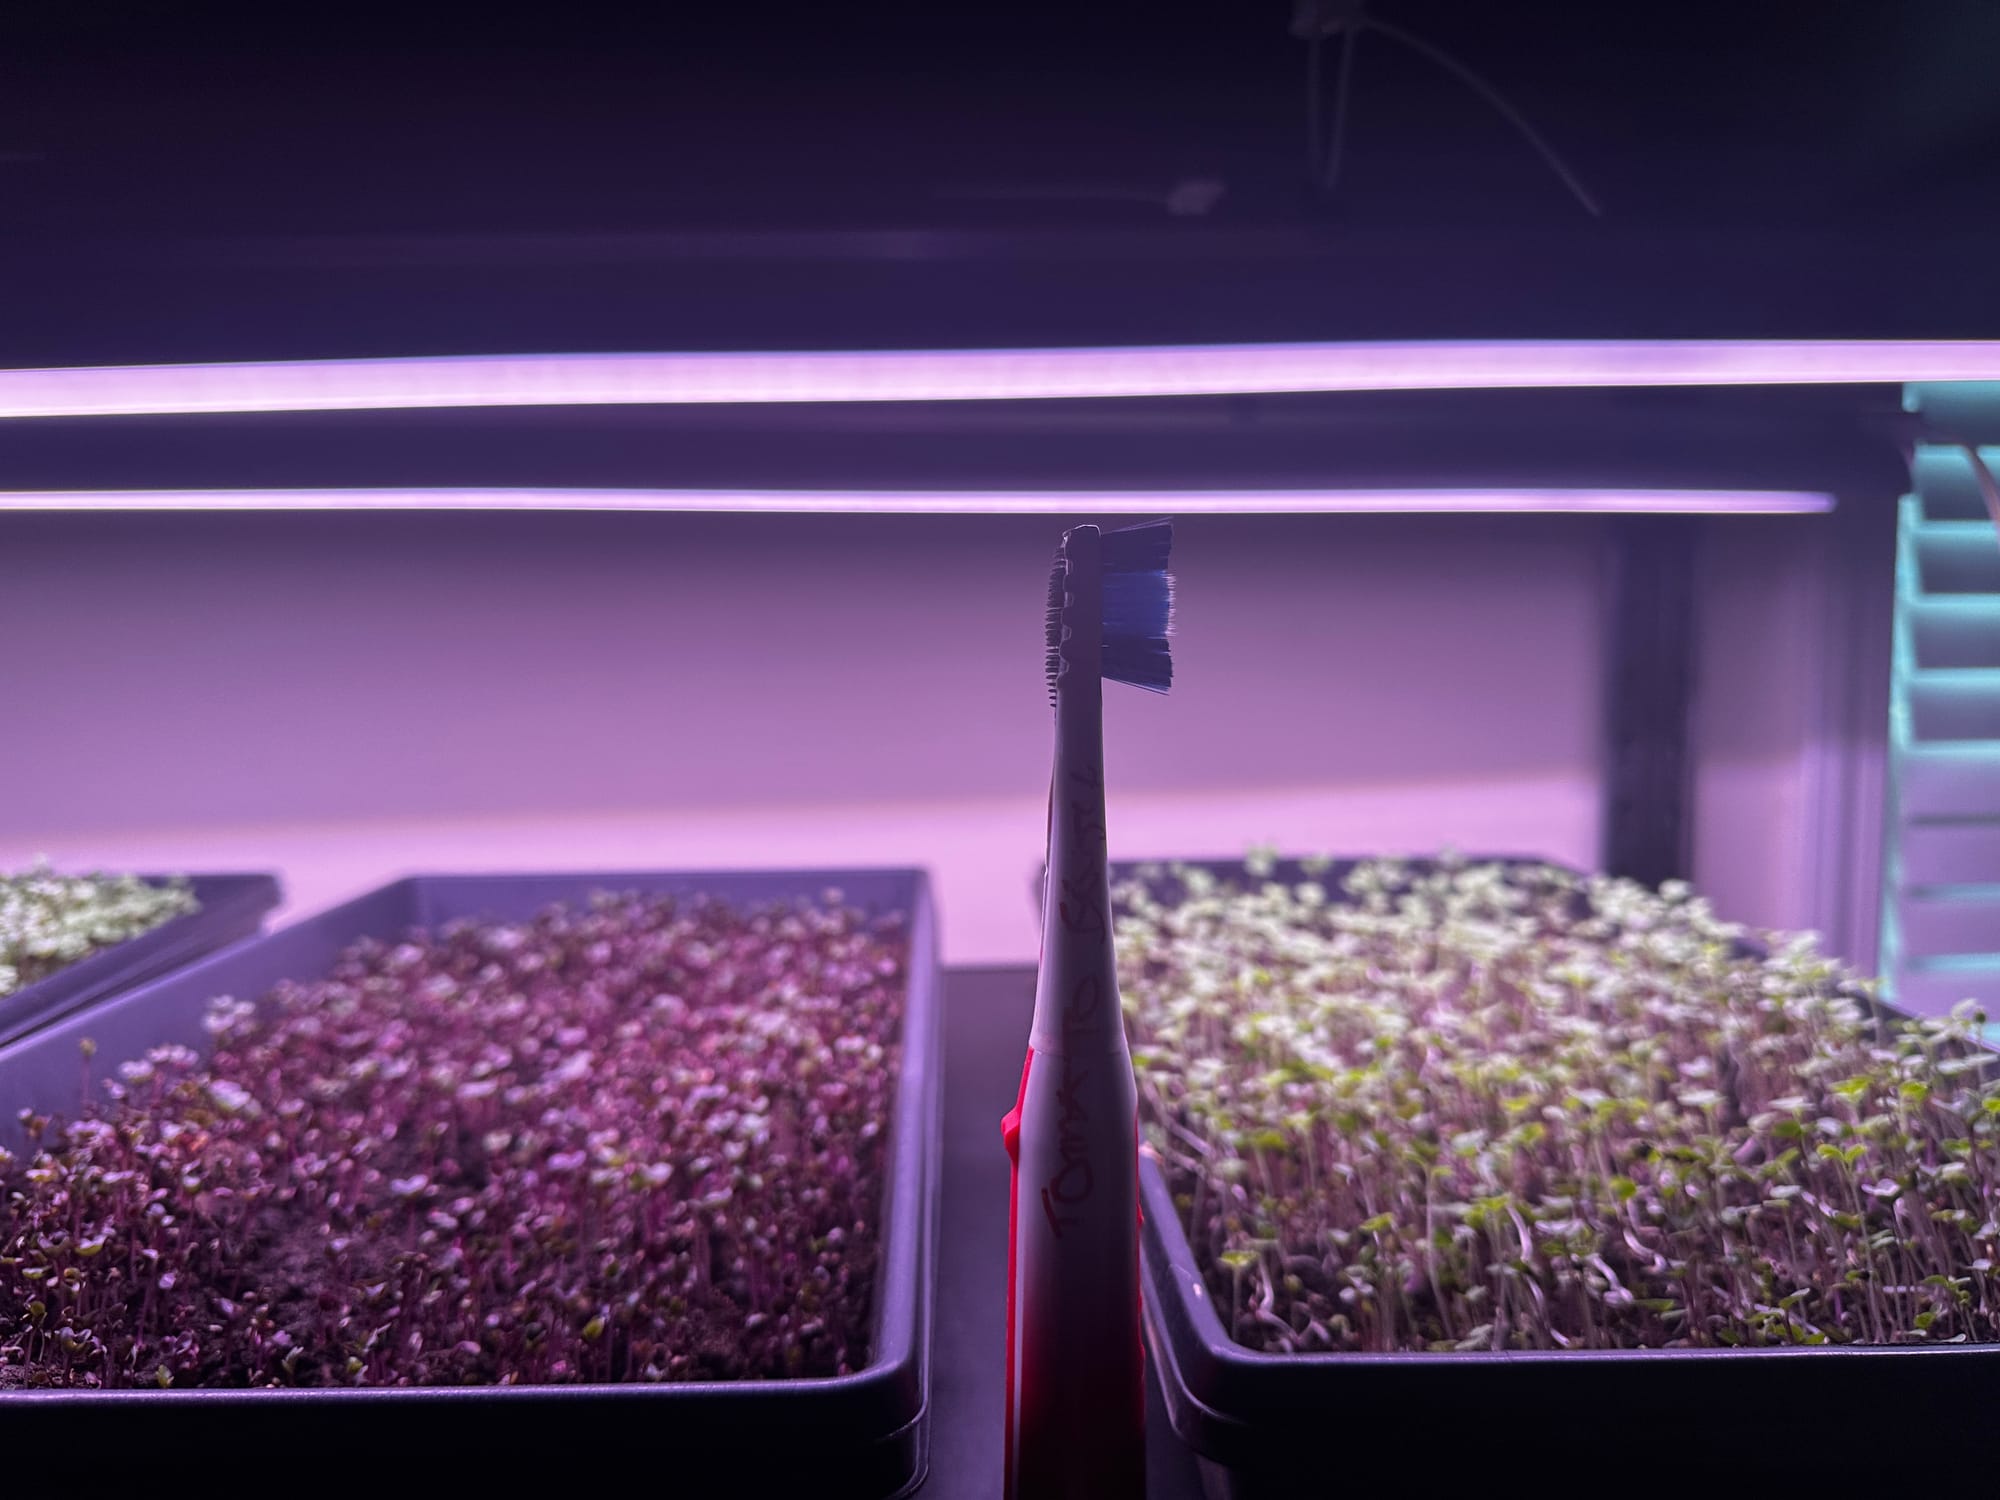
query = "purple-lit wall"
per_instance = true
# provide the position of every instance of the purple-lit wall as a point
(350, 697)
(1761, 746)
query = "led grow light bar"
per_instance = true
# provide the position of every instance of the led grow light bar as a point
(948, 502)
(973, 375)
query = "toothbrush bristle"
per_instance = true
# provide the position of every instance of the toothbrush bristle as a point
(1138, 607)
(1052, 653)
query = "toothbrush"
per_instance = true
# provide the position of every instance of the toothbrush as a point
(1076, 1393)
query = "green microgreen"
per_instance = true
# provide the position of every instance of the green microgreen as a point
(1453, 1105)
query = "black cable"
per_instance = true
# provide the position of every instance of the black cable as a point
(1493, 97)
(1350, 42)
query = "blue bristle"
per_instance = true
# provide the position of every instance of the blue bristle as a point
(1144, 548)
(1138, 605)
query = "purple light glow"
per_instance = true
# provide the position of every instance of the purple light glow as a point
(951, 502)
(973, 374)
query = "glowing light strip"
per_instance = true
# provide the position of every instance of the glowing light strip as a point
(972, 375)
(946, 502)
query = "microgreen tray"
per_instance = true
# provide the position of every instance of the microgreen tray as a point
(230, 908)
(861, 1434)
(1642, 1421)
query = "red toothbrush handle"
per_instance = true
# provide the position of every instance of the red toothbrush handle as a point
(1010, 1137)
(1076, 1395)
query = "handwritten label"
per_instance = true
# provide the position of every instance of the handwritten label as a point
(1082, 1014)
(1086, 825)
(1080, 907)
(1073, 1182)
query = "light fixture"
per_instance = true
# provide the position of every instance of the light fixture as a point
(970, 375)
(946, 502)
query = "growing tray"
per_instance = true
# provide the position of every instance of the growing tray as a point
(232, 907)
(1629, 1421)
(864, 1434)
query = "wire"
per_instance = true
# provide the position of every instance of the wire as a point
(1350, 42)
(1317, 20)
(1989, 488)
(1493, 97)
(1313, 155)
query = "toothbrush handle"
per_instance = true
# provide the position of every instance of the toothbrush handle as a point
(1076, 1394)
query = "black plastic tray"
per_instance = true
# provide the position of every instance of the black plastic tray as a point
(1630, 1421)
(231, 907)
(865, 1434)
